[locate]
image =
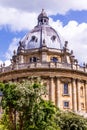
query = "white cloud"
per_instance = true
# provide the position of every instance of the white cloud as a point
(52, 6)
(7, 62)
(76, 34)
(20, 15)
(8, 55)
(13, 46)
(17, 20)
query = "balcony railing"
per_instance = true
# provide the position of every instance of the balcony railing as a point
(43, 65)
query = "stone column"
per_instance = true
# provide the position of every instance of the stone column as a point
(78, 96)
(85, 85)
(47, 96)
(58, 92)
(74, 96)
(52, 90)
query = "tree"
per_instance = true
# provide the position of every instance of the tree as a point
(25, 109)
(24, 99)
(45, 116)
(9, 102)
(72, 121)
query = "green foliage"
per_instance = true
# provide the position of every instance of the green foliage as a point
(24, 109)
(44, 115)
(5, 122)
(72, 121)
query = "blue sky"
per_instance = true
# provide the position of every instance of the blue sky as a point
(6, 38)
(19, 17)
(79, 16)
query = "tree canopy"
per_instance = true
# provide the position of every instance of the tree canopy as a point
(25, 109)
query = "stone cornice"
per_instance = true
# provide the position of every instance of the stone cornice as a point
(54, 72)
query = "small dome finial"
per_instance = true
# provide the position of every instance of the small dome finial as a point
(42, 10)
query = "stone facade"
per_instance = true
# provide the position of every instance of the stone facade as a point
(42, 53)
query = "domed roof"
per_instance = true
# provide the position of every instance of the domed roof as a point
(43, 33)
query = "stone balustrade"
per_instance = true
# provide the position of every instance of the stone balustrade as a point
(43, 65)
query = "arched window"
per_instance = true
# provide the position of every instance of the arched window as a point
(54, 59)
(65, 91)
(33, 59)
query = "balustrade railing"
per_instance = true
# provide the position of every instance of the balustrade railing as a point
(43, 65)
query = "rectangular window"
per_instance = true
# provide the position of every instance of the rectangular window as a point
(65, 88)
(66, 104)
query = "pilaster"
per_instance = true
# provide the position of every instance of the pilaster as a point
(78, 95)
(57, 92)
(74, 95)
(85, 85)
(52, 90)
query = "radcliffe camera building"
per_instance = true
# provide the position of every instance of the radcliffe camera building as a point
(41, 53)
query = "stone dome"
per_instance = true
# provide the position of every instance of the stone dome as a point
(42, 34)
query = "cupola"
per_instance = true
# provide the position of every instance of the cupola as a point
(43, 18)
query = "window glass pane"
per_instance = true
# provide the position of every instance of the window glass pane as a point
(54, 59)
(65, 88)
(34, 59)
(66, 104)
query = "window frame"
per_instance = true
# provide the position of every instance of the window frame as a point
(66, 90)
(54, 59)
(66, 106)
(33, 59)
